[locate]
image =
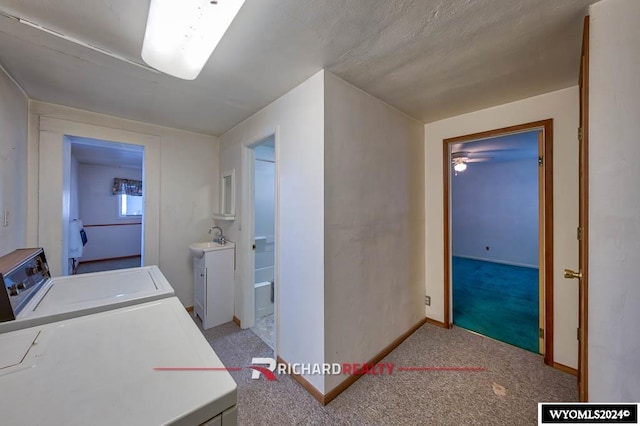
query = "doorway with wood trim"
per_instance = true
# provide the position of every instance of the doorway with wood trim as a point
(501, 145)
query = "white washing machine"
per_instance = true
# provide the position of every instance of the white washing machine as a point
(32, 297)
(101, 369)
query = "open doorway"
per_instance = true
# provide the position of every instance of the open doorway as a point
(498, 206)
(104, 204)
(264, 234)
(494, 232)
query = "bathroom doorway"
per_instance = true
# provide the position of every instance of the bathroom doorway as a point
(264, 239)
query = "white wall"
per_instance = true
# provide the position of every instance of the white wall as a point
(13, 163)
(297, 120)
(99, 207)
(374, 224)
(328, 195)
(112, 242)
(614, 202)
(562, 106)
(184, 165)
(495, 205)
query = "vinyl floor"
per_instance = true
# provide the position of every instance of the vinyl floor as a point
(265, 329)
(108, 265)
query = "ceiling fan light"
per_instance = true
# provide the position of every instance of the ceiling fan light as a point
(181, 35)
(460, 166)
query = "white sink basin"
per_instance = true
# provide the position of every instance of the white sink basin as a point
(198, 250)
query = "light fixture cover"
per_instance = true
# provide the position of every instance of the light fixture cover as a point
(460, 166)
(182, 34)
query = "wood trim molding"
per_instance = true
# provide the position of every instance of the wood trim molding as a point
(329, 396)
(548, 242)
(384, 352)
(237, 321)
(435, 322)
(565, 368)
(189, 309)
(583, 219)
(498, 132)
(111, 224)
(446, 173)
(304, 382)
(541, 249)
(547, 234)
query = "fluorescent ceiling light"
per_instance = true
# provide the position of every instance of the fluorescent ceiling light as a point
(182, 34)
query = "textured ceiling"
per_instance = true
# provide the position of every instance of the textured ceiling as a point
(429, 58)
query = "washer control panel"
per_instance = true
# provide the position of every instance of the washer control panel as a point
(22, 273)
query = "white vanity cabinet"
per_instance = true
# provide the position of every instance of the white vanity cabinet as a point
(213, 285)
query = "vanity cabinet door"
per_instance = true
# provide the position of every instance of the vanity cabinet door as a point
(219, 292)
(200, 288)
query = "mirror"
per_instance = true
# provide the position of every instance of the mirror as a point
(228, 193)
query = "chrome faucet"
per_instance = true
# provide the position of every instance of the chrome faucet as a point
(218, 238)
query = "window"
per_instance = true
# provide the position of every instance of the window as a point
(129, 193)
(129, 206)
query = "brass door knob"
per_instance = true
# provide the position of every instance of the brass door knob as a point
(568, 273)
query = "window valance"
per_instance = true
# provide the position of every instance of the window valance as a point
(127, 186)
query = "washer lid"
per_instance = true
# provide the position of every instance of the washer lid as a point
(78, 295)
(77, 292)
(67, 291)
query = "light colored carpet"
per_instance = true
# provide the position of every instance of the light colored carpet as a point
(265, 329)
(404, 398)
(108, 265)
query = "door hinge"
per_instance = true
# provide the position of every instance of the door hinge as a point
(540, 160)
(578, 333)
(580, 134)
(579, 233)
(541, 333)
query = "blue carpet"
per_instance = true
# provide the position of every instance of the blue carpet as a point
(496, 300)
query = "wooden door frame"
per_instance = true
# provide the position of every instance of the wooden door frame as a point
(546, 234)
(583, 244)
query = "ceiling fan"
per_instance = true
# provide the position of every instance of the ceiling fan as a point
(461, 158)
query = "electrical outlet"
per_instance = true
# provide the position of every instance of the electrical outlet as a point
(427, 300)
(5, 218)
